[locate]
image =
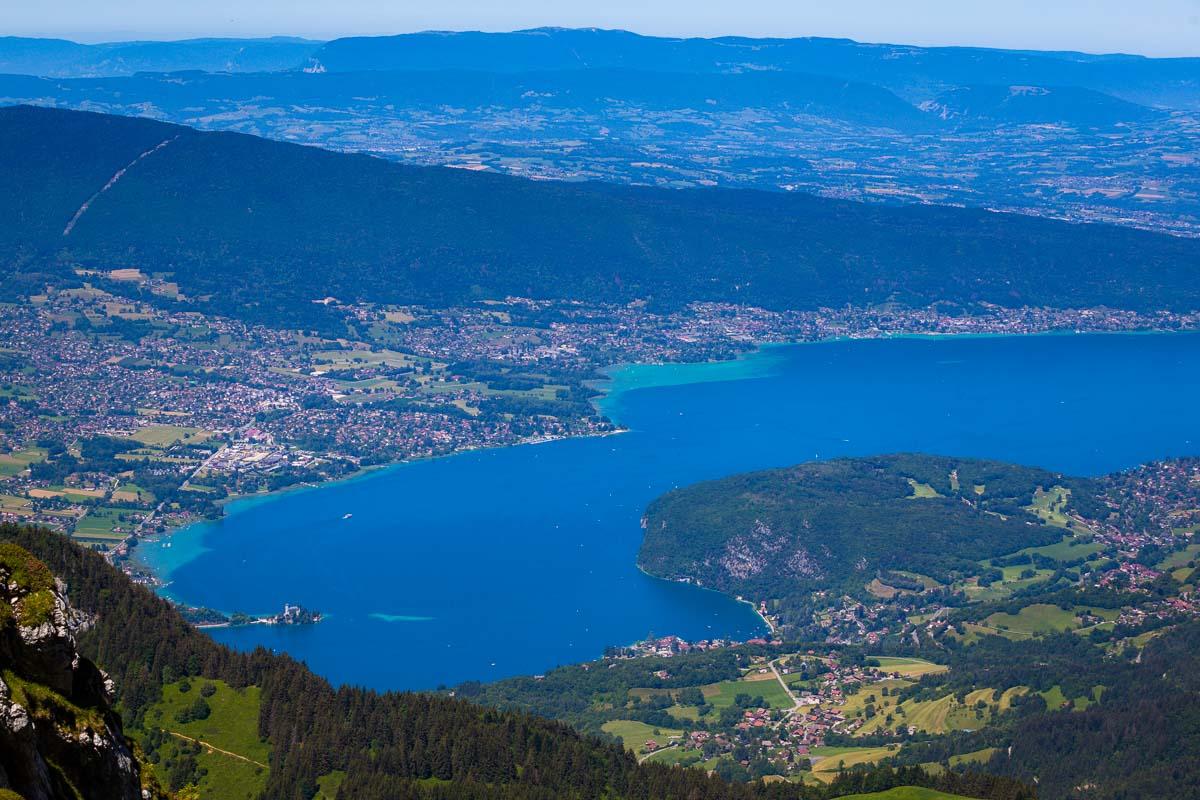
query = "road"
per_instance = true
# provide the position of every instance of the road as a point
(656, 752)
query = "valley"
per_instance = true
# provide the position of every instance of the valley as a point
(612, 416)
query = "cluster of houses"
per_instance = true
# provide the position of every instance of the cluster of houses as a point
(574, 334)
(668, 646)
(1128, 573)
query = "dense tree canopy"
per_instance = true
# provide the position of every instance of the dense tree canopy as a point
(837, 524)
(237, 220)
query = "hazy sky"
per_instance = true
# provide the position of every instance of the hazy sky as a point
(1153, 27)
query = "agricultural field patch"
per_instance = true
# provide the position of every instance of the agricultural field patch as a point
(828, 761)
(721, 695)
(18, 461)
(906, 793)
(909, 667)
(922, 490)
(942, 715)
(1180, 557)
(634, 735)
(105, 524)
(1034, 620)
(166, 435)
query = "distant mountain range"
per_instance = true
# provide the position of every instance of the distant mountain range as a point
(1066, 135)
(915, 73)
(58, 58)
(238, 220)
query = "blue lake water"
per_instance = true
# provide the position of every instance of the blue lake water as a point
(510, 561)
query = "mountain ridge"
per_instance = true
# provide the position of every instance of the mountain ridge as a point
(245, 216)
(62, 58)
(915, 73)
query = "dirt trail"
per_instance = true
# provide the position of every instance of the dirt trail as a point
(208, 746)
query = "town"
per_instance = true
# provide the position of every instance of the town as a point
(127, 414)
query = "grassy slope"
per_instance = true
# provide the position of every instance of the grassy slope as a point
(909, 667)
(232, 726)
(832, 759)
(906, 793)
(634, 735)
(720, 695)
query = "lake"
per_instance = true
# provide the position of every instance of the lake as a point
(513, 560)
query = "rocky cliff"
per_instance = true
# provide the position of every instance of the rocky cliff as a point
(59, 736)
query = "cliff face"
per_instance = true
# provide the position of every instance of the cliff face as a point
(59, 737)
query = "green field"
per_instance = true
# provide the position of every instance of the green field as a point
(720, 695)
(232, 726)
(1055, 699)
(71, 494)
(328, 785)
(1050, 505)
(684, 713)
(676, 755)
(1003, 589)
(16, 462)
(1034, 620)
(938, 716)
(165, 435)
(828, 761)
(1069, 549)
(909, 667)
(922, 490)
(341, 359)
(947, 714)
(1180, 557)
(12, 504)
(99, 523)
(977, 757)
(132, 493)
(905, 793)
(634, 735)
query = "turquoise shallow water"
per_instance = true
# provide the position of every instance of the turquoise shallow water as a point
(514, 560)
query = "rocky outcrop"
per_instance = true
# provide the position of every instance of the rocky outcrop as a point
(59, 737)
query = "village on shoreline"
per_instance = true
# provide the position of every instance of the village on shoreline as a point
(124, 419)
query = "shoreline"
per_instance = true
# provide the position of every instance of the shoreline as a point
(609, 390)
(162, 581)
(770, 626)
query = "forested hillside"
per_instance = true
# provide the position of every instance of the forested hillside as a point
(260, 230)
(1140, 743)
(837, 524)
